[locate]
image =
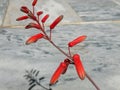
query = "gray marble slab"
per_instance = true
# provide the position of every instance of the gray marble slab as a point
(100, 54)
(92, 10)
(52, 7)
(3, 7)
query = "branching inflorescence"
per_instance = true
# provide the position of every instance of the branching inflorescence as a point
(39, 24)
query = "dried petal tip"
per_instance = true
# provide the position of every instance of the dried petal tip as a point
(79, 67)
(22, 18)
(77, 40)
(34, 38)
(45, 18)
(57, 20)
(34, 2)
(24, 9)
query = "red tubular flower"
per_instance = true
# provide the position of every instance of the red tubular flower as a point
(32, 16)
(39, 13)
(79, 67)
(67, 62)
(77, 40)
(22, 18)
(45, 18)
(24, 9)
(33, 25)
(34, 2)
(34, 38)
(57, 73)
(57, 20)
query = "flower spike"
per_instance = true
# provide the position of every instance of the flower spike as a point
(79, 67)
(57, 20)
(77, 40)
(34, 38)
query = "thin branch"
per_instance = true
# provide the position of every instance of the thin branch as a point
(90, 79)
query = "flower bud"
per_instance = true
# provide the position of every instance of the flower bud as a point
(77, 40)
(79, 67)
(34, 38)
(57, 20)
(22, 18)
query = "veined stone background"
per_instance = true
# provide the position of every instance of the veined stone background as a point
(98, 19)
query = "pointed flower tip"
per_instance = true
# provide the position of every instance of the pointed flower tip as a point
(56, 21)
(34, 2)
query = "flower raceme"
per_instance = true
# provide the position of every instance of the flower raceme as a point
(39, 24)
(77, 40)
(79, 67)
(34, 38)
(57, 73)
(57, 20)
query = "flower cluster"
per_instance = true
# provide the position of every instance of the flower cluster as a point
(39, 24)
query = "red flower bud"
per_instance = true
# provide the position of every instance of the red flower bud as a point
(34, 38)
(33, 25)
(67, 62)
(57, 20)
(34, 2)
(77, 40)
(22, 18)
(57, 73)
(24, 9)
(45, 18)
(79, 67)
(39, 13)
(31, 15)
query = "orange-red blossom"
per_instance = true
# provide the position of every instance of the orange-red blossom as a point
(79, 67)
(77, 40)
(34, 38)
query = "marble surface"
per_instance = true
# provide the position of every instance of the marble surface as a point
(96, 10)
(99, 53)
(3, 7)
(52, 7)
